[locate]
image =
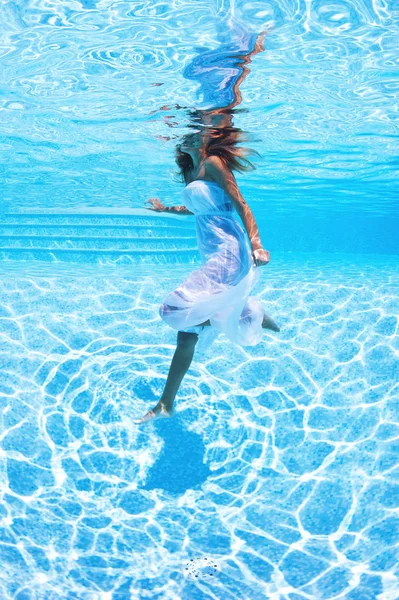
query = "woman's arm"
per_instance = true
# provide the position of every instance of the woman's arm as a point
(157, 206)
(216, 169)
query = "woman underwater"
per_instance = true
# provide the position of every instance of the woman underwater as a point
(217, 294)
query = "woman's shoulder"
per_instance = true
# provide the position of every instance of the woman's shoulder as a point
(217, 170)
(215, 161)
(211, 167)
(215, 165)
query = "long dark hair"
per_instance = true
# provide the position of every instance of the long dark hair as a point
(220, 141)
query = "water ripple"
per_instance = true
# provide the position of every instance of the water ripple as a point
(327, 74)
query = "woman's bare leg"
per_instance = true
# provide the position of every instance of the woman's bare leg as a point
(179, 366)
(268, 323)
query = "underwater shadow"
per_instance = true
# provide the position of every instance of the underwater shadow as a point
(180, 465)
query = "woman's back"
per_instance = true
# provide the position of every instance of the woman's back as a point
(218, 231)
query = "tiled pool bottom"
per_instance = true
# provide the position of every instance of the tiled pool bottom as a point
(279, 467)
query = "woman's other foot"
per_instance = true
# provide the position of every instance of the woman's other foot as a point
(160, 410)
(268, 323)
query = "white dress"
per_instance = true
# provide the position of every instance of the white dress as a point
(219, 289)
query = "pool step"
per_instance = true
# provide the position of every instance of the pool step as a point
(110, 231)
(134, 217)
(133, 237)
(86, 242)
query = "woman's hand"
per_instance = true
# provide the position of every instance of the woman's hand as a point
(261, 257)
(156, 204)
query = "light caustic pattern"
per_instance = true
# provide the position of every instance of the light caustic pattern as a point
(279, 467)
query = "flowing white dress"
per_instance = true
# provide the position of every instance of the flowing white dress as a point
(219, 289)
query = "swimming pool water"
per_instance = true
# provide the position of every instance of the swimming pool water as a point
(280, 464)
(277, 478)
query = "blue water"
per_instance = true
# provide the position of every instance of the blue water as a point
(277, 478)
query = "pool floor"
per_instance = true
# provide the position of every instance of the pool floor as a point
(276, 478)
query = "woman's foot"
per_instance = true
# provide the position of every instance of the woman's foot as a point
(268, 323)
(206, 323)
(160, 410)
